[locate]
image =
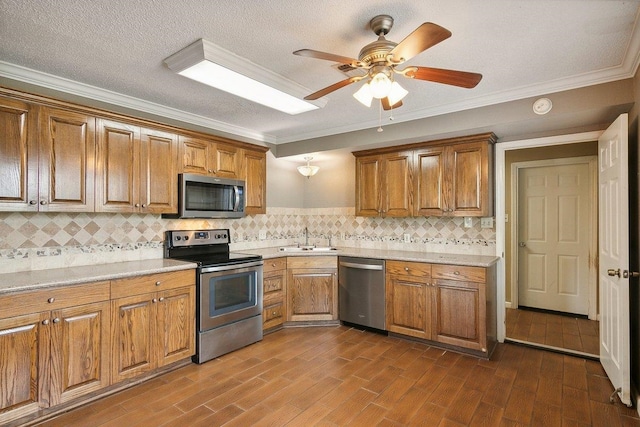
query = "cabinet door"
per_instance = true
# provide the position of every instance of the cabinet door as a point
(312, 294)
(195, 155)
(117, 185)
(80, 351)
(368, 185)
(24, 352)
(429, 182)
(228, 161)
(158, 171)
(461, 314)
(397, 190)
(18, 157)
(470, 183)
(176, 325)
(67, 161)
(255, 176)
(409, 306)
(133, 321)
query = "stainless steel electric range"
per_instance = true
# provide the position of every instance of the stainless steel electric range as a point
(229, 290)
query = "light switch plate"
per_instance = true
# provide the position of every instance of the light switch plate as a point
(262, 235)
(407, 238)
(486, 222)
(468, 222)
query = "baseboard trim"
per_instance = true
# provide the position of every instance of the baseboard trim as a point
(553, 348)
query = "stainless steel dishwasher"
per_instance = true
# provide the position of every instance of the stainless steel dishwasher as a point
(361, 291)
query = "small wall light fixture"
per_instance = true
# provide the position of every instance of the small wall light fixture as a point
(308, 170)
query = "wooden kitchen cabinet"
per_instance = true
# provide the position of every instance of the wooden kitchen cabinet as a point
(312, 288)
(454, 180)
(409, 299)
(255, 176)
(207, 157)
(47, 166)
(54, 344)
(274, 282)
(136, 169)
(384, 184)
(152, 322)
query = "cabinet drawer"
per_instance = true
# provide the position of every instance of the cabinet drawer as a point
(414, 269)
(274, 264)
(273, 283)
(28, 302)
(458, 272)
(152, 283)
(273, 315)
(312, 262)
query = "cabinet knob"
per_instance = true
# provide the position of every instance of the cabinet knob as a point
(274, 313)
(161, 299)
(406, 269)
(155, 300)
(45, 322)
(158, 283)
(457, 273)
(137, 205)
(56, 320)
(50, 300)
(144, 206)
(33, 202)
(43, 202)
(210, 171)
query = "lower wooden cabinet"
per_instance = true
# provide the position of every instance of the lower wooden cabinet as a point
(151, 329)
(274, 310)
(312, 288)
(49, 357)
(448, 304)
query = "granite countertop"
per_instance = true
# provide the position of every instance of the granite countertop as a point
(429, 257)
(36, 279)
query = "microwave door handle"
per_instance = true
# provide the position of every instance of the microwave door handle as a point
(237, 202)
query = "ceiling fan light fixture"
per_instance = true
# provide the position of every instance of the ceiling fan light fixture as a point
(308, 170)
(380, 85)
(214, 66)
(396, 94)
(363, 95)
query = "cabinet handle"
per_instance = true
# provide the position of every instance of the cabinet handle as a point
(161, 299)
(457, 273)
(45, 322)
(144, 206)
(273, 265)
(158, 283)
(274, 313)
(50, 300)
(137, 205)
(56, 320)
(33, 202)
(155, 300)
(406, 269)
(211, 171)
(43, 202)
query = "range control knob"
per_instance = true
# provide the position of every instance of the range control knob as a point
(178, 238)
(186, 238)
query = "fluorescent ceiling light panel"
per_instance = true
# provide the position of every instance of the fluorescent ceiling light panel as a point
(214, 66)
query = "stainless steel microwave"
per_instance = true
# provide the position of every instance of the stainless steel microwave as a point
(202, 196)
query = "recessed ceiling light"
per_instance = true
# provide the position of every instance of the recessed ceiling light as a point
(212, 65)
(542, 106)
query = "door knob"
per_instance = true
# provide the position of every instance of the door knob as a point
(522, 244)
(612, 272)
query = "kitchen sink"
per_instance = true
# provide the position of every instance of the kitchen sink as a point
(307, 249)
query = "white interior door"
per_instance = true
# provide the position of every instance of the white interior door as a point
(614, 256)
(554, 234)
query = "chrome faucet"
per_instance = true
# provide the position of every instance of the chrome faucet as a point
(306, 236)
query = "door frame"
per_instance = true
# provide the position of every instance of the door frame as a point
(500, 185)
(592, 161)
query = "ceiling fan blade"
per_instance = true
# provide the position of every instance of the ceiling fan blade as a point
(309, 53)
(387, 107)
(448, 77)
(422, 38)
(327, 90)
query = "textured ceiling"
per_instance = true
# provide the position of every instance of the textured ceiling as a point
(114, 51)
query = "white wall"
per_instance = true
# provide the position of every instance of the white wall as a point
(285, 186)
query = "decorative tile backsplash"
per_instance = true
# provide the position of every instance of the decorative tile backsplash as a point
(50, 240)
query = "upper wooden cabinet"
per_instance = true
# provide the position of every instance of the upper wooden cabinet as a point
(136, 170)
(255, 176)
(210, 158)
(384, 185)
(50, 170)
(452, 177)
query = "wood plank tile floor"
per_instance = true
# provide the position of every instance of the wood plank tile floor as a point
(554, 330)
(342, 376)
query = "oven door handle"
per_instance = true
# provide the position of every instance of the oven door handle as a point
(217, 268)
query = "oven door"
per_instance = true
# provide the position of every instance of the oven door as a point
(229, 293)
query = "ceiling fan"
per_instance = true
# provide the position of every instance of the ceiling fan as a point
(381, 58)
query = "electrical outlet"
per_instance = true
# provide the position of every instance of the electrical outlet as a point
(486, 222)
(407, 238)
(262, 235)
(468, 222)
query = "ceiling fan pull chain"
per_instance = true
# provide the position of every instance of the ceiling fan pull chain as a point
(380, 117)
